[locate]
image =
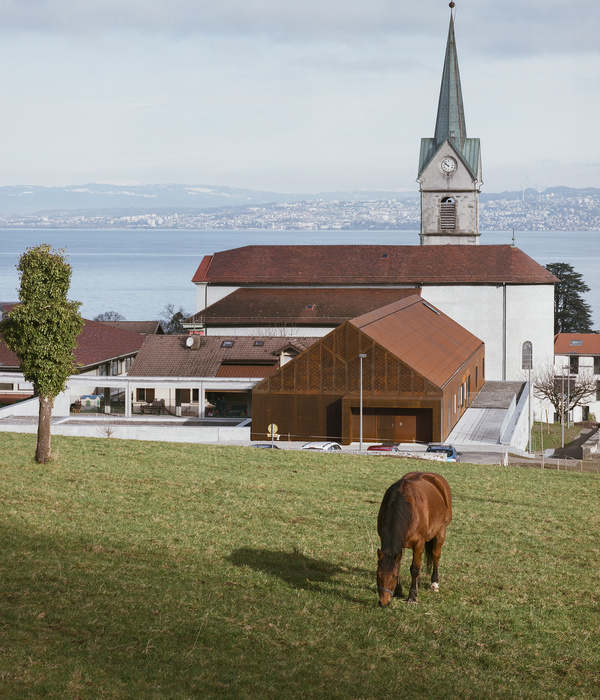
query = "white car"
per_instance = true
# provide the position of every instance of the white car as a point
(322, 446)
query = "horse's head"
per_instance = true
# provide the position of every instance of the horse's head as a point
(388, 566)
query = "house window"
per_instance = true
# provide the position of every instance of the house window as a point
(185, 396)
(527, 355)
(195, 395)
(573, 364)
(227, 344)
(259, 343)
(146, 395)
(448, 214)
(597, 390)
(597, 365)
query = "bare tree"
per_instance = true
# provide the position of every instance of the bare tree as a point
(563, 391)
(172, 319)
(109, 316)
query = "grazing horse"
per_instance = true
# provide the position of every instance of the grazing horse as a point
(414, 513)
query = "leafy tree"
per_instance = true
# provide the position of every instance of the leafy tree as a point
(172, 319)
(563, 392)
(571, 313)
(42, 330)
(109, 316)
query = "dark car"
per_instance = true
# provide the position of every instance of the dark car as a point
(385, 447)
(449, 450)
(266, 446)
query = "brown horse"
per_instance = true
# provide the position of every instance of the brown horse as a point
(414, 513)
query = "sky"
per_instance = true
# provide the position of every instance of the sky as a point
(308, 96)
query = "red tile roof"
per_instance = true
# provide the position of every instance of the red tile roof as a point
(169, 356)
(296, 307)
(422, 336)
(577, 344)
(97, 343)
(372, 264)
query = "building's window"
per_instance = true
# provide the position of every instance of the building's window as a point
(597, 365)
(146, 395)
(597, 390)
(259, 343)
(185, 395)
(483, 368)
(448, 214)
(454, 403)
(527, 355)
(6, 387)
(227, 344)
(576, 342)
(103, 370)
(476, 376)
(573, 364)
(195, 395)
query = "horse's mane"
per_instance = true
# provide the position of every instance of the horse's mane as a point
(397, 516)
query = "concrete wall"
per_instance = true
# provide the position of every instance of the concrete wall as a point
(504, 317)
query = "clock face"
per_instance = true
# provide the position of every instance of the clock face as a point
(448, 165)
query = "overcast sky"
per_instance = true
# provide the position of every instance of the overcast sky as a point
(293, 96)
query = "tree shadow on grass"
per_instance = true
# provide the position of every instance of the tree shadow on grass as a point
(300, 571)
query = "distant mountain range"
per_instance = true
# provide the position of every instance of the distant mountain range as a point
(30, 200)
(24, 200)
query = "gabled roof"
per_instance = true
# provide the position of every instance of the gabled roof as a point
(97, 343)
(577, 344)
(355, 265)
(169, 356)
(143, 327)
(296, 306)
(421, 336)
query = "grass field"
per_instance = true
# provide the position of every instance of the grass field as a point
(154, 570)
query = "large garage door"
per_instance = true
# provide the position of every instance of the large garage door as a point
(393, 424)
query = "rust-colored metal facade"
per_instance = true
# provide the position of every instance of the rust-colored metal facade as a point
(317, 395)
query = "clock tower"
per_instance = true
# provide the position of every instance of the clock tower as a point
(450, 166)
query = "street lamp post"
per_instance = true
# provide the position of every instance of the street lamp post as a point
(361, 358)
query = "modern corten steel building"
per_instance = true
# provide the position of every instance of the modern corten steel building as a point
(420, 372)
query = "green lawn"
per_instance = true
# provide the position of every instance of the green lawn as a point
(154, 570)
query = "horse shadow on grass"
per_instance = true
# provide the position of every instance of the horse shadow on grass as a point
(302, 572)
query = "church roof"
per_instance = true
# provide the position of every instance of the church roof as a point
(304, 306)
(450, 123)
(359, 265)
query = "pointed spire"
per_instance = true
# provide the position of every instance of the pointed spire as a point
(450, 123)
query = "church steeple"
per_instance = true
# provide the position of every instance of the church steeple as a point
(450, 165)
(450, 123)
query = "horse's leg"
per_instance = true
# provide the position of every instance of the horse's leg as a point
(436, 552)
(398, 589)
(415, 572)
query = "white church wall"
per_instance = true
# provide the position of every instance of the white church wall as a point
(480, 309)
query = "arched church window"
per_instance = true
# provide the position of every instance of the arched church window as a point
(527, 355)
(448, 213)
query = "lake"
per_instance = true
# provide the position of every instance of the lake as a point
(137, 272)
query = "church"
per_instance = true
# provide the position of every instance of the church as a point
(479, 311)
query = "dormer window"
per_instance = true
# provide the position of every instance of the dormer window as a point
(227, 344)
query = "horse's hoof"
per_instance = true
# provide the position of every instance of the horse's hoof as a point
(411, 601)
(435, 587)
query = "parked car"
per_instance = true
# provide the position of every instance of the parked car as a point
(266, 446)
(385, 447)
(451, 453)
(322, 446)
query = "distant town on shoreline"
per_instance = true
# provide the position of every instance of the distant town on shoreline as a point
(98, 206)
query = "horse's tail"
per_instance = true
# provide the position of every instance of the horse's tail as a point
(428, 556)
(397, 516)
